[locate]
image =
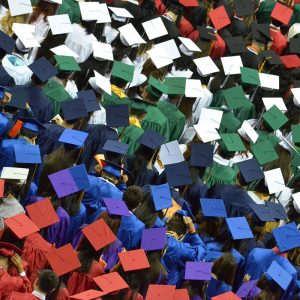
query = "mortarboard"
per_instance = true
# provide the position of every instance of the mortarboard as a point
(282, 13)
(202, 155)
(226, 296)
(274, 118)
(89, 294)
(19, 7)
(250, 76)
(120, 14)
(181, 294)
(232, 64)
(99, 234)
(28, 154)
(170, 153)
(185, 211)
(264, 152)
(100, 83)
(279, 275)
(60, 24)
(277, 209)
(296, 133)
(151, 139)
(102, 51)
(74, 109)
(111, 167)
(80, 177)
(170, 48)
(171, 27)
(117, 115)
(296, 94)
(161, 196)
(1, 188)
(66, 63)
(134, 260)
(10, 173)
(210, 118)
(159, 87)
(248, 132)
(269, 81)
(211, 256)
(159, 57)
(63, 260)
(213, 208)
(42, 213)
(178, 174)
(239, 228)
(235, 97)
(219, 17)
(43, 69)
(154, 239)
(73, 137)
(129, 35)
(295, 46)
(250, 170)
(31, 124)
(248, 289)
(160, 292)
(25, 33)
(155, 28)
(232, 142)
(205, 133)
(115, 146)
(116, 207)
(90, 100)
(236, 44)
(198, 271)
(274, 180)
(263, 212)
(55, 91)
(123, 71)
(287, 237)
(244, 8)
(21, 225)
(175, 85)
(7, 43)
(193, 88)
(189, 3)
(261, 33)
(291, 61)
(19, 97)
(64, 50)
(230, 122)
(270, 57)
(90, 11)
(206, 66)
(207, 33)
(111, 282)
(188, 47)
(277, 101)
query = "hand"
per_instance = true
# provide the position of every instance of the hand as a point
(189, 224)
(16, 260)
(124, 178)
(246, 278)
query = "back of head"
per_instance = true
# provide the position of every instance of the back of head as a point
(133, 197)
(47, 281)
(177, 225)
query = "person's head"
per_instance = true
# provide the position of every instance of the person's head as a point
(71, 203)
(43, 8)
(46, 282)
(177, 225)
(119, 82)
(269, 289)
(30, 135)
(133, 197)
(112, 222)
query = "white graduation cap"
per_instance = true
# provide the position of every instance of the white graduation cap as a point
(25, 33)
(64, 50)
(60, 24)
(170, 153)
(159, 57)
(188, 47)
(278, 101)
(19, 7)
(104, 16)
(170, 48)
(210, 118)
(296, 93)
(155, 28)
(91, 11)
(296, 201)
(130, 35)
(206, 66)
(248, 132)
(120, 14)
(269, 81)
(193, 88)
(103, 82)
(232, 65)
(206, 133)
(103, 51)
(274, 180)
(10, 173)
(54, 1)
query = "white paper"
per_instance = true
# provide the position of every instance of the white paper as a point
(159, 57)
(206, 65)
(210, 118)
(269, 102)
(232, 64)
(155, 28)
(102, 50)
(206, 134)
(90, 11)
(170, 153)
(19, 7)
(189, 44)
(193, 88)
(14, 173)
(121, 12)
(104, 14)
(60, 24)
(269, 81)
(103, 82)
(274, 180)
(250, 132)
(64, 50)
(170, 48)
(130, 34)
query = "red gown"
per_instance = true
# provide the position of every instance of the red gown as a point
(280, 41)
(63, 294)
(22, 296)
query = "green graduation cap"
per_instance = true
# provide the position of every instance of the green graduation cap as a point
(229, 122)
(250, 76)
(275, 118)
(232, 142)
(123, 71)
(235, 97)
(264, 152)
(154, 84)
(66, 63)
(175, 85)
(266, 135)
(296, 133)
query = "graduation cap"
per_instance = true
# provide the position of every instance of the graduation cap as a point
(207, 33)
(102, 51)
(115, 146)
(250, 170)
(178, 174)
(88, 294)
(202, 155)
(291, 61)
(116, 207)
(294, 46)
(123, 71)
(213, 207)
(296, 133)
(270, 57)
(90, 100)
(206, 66)
(160, 292)
(231, 65)
(111, 282)
(264, 152)
(161, 196)
(151, 139)
(155, 28)
(263, 212)
(12, 173)
(186, 211)
(244, 8)
(31, 124)
(73, 137)
(154, 239)
(277, 209)
(60, 24)
(170, 153)
(74, 109)
(198, 271)
(181, 294)
(134, 260)
(66, 63)
(274, 118)
(43, 69)
(226, 296)
(7, 43)
(250, 76)
(235, 97)
(248, 288)
(175, 85)
(274, 181)
(189, 3)
(279, 275)
(120, 14)
(129, 36)
(19, 7)
(219, 17)
(261, 33)
(117, 115)
(156, 87)
(282, 13)
(188, 47)
(232, 142)
(239, 228)
(18, 97)
(28, 154)
(171, 27)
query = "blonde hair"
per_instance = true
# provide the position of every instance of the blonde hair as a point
(7, 21)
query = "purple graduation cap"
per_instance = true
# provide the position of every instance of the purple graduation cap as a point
(248, 289)
(198, 271)
(116, 207)
(154, 239)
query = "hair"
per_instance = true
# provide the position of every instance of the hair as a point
(7, 21)
(177, 225)
(9, 237)
(43, 8)
(133, 197)
(186, 107)
(47, 281)
(28, 133)
(224, 268)
(270, 290)
(71, 203)
(119, 82)
(112, 222)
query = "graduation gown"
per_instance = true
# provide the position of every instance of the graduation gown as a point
(216, 287)
(75, 224)
(130, 136)
(23, 296)
(280, 41)
(110, 254)
(5, 124)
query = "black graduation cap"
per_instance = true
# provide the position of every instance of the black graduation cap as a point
(236, 45)
(90, 100)
(7, 43)
(74, 109)
(295, 46)
(43, 69)
(207, 33)
(261, 33)
(171, 27)
(117, 115)
(244, 7)
(19, 97)
(271, 57)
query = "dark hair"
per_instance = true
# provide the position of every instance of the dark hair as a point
(121, 83)
(9, 237)
(177, 225)
(71, 203)
(133, 196)
(113, 223)
(47, 281)
(43, 7)
(270, 290)
(28, 133)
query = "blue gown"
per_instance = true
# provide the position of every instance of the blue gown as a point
(5, 124)
(110, 254)
(216, 287)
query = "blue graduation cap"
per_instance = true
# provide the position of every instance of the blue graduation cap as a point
(277, 209)
(287, 237)
(202, 155)
(213, 208)
(115, 146)
(117, 115)
(239, 228)
(151, 139)
(250, 170)
(7, 43)
(73, 137)
(211, 256)
(161, 196)
(113, 168)
(27, 154)
(32, 124)
(43, 69)
(74, 109)
(279, 275)
(263, 212)
(90, 100)
(186, 211)
(178, 174)
(80, 177)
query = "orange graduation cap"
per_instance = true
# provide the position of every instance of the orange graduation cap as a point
(219, 17)
(99, 234)
(134, 260)
(282, 13)
(181, 294)
(1, 188)
(111, 282)
(189, 3)
(226, 296)
(160, 292)
(21, 225)
(291, 61)
(88, 295)
(63, 260)
(42, 213)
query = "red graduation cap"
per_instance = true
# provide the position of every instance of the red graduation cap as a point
(282, 13)
(189, 3)
(134, 260)
(21, 225)
(1, 188)
(38, 242)
(226, 296)
(181, 294)
(42, 213)
(291, 61)
(63, 260)
(88, 295)
(99, 234)
(160, 292)
(111, 282)
(219, 17)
